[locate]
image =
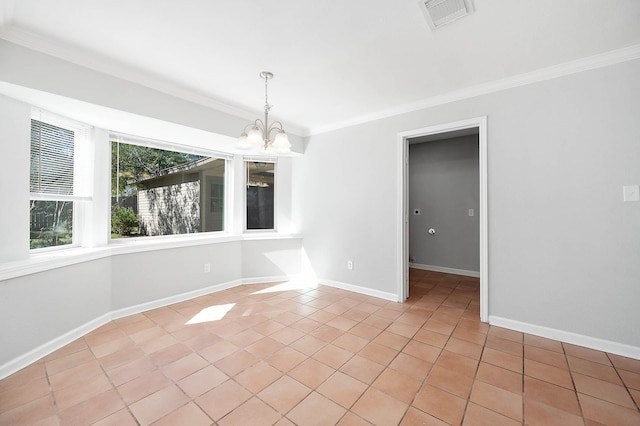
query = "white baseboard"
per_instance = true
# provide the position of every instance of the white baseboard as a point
(568, 337)
(53, 345)
(362, 290)
(147, 306)
(475, 274)
(262, 280)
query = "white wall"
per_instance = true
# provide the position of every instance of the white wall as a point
(15, 125)
(563, 246)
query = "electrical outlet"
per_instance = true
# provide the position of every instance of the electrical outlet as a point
(631, 193)
(207, 267)
(349, 265)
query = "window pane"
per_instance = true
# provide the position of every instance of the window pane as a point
(51, 223)
(260, 195)
(162, 192)
(51, 159)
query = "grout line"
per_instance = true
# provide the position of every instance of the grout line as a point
(448, 292)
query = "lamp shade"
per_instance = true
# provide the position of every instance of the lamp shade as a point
(254, 137)
(243, 142)
(281, 143)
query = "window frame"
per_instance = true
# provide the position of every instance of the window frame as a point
(182, 148)
(245, 163)
(82, 193)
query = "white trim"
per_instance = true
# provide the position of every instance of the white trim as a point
(147, 306)
(57, 197)
(101, 64)
(53, 345)
(475, 274)
(484, 218)
(362, 290)
(568, 337)
(67, 256)
(403, 213)
(584, 64)
(45, 349)
(167, 145)
(265, 280)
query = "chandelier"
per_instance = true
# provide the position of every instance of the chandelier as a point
(258, 138)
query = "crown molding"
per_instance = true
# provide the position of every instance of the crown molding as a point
(104, 65)
(101, 64)
(591, 62)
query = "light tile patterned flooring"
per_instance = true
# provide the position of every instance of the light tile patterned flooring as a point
(322, 356)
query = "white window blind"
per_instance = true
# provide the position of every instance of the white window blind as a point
(52, 159)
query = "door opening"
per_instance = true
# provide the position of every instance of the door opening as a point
(472, 126)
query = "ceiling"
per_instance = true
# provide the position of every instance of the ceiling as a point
(334, 62)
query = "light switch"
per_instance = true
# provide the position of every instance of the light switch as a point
(471, 212)
(631, 192)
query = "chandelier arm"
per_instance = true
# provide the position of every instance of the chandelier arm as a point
(257, 123)
(276, 125)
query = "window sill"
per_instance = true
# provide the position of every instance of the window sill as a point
(42, 262)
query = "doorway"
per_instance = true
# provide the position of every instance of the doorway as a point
(471, 126)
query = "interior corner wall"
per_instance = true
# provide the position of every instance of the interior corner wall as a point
(444, 184)
(14, 126)
(563, 246)
(41, 308)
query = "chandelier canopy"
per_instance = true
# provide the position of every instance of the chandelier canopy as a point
(258, 138)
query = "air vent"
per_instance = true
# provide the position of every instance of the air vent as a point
(442, 12)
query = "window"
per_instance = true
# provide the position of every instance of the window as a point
(260, 195)
(157, 191)
(51, 185)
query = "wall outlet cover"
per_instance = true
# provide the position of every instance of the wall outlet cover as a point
(631, 193)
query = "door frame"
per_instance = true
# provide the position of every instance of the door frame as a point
(403, 204)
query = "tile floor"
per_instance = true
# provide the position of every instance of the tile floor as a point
(263, 355)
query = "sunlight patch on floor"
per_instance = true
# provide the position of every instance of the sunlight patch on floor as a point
(210, 314)
(288, 285)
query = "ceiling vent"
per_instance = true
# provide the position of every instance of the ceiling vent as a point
(442, 12)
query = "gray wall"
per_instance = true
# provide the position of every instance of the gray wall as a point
(36, 309)
(444, 185)
(563, 246)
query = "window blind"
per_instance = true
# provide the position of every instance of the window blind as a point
(52, 150)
